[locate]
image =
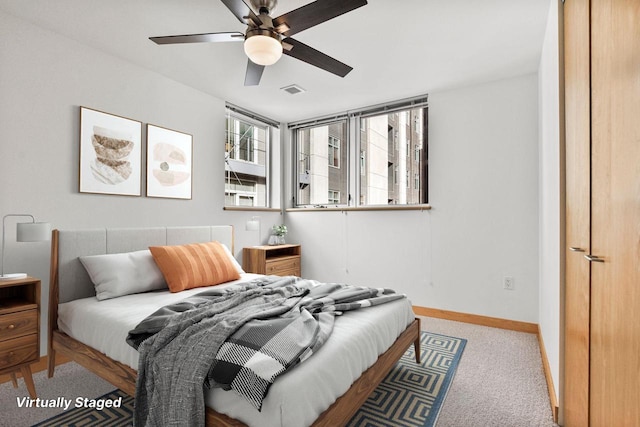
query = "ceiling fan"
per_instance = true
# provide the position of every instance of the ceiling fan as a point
(267, 38)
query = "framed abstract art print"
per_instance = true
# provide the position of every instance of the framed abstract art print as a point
(110, 153)
(169, 163)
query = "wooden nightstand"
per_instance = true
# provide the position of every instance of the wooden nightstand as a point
(280, 260)
(20, 328)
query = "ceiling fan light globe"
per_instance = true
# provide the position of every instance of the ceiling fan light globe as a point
(263, 50)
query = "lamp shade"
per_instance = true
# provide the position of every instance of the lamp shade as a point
(33, 231)
(263, 49)
(25, 232)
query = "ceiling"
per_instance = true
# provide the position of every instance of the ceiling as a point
(398, 48)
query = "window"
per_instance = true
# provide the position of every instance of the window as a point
(387, 179)
(318, 166)
(389, 146)
(246, 161)
(334, 197)
(334, 152)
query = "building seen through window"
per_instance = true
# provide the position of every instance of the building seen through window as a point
(394, 148)
(390, 165)
(246, 159)
(322, 164)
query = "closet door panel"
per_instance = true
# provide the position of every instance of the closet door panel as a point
(615, 283)
(578, 200)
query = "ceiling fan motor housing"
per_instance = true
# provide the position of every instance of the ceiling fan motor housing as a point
(264, 4)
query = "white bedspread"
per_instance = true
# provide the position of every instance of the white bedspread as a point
(297, 398)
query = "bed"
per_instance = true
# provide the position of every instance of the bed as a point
(362, 349)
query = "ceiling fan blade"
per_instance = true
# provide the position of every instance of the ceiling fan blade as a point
(199, 38)
(313, 14)
(254, 73)
(314, 57)
(242, 11)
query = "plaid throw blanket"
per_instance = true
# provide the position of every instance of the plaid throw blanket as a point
(239, 338)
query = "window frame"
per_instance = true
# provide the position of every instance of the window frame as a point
(336, 196)
(238, 115)
(296, 154)
(332, 149)
(357, 126)
(423, 154)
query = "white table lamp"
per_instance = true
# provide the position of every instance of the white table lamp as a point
(25, 232)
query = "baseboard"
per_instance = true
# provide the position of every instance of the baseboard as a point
(476, 319)
(496, 322)
(553, 399)
(38, 366)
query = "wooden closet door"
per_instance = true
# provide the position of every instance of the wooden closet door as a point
(615, 283)
(578, 200)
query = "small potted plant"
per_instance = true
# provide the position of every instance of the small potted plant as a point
(277, 237)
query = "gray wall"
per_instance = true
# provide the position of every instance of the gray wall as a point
(44, 78)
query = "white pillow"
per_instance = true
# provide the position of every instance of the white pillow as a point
(233, 259)
(115, 275)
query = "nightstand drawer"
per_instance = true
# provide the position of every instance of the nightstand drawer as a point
(18, 324)
(18, 350)
(288, 273)
(283, 266)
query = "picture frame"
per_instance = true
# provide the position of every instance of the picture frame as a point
(169, 163)
(110, 154)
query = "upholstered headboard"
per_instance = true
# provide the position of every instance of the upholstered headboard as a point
(72, 279)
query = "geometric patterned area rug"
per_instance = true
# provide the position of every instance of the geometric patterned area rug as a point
(410, 396)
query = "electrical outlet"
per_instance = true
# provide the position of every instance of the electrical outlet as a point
(509, 283)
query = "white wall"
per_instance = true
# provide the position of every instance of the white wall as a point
(44, 78)
(551, 194)
(483, 177)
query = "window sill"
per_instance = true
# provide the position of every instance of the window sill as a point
(250, 209)
(364, 208)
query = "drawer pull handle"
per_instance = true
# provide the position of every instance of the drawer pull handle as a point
(593, 258)
(12, 326)
(575, 249)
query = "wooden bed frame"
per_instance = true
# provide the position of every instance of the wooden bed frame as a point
(123, 377)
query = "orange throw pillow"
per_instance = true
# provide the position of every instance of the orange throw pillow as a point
(194, 265)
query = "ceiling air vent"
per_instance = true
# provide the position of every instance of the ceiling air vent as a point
(293, 89)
